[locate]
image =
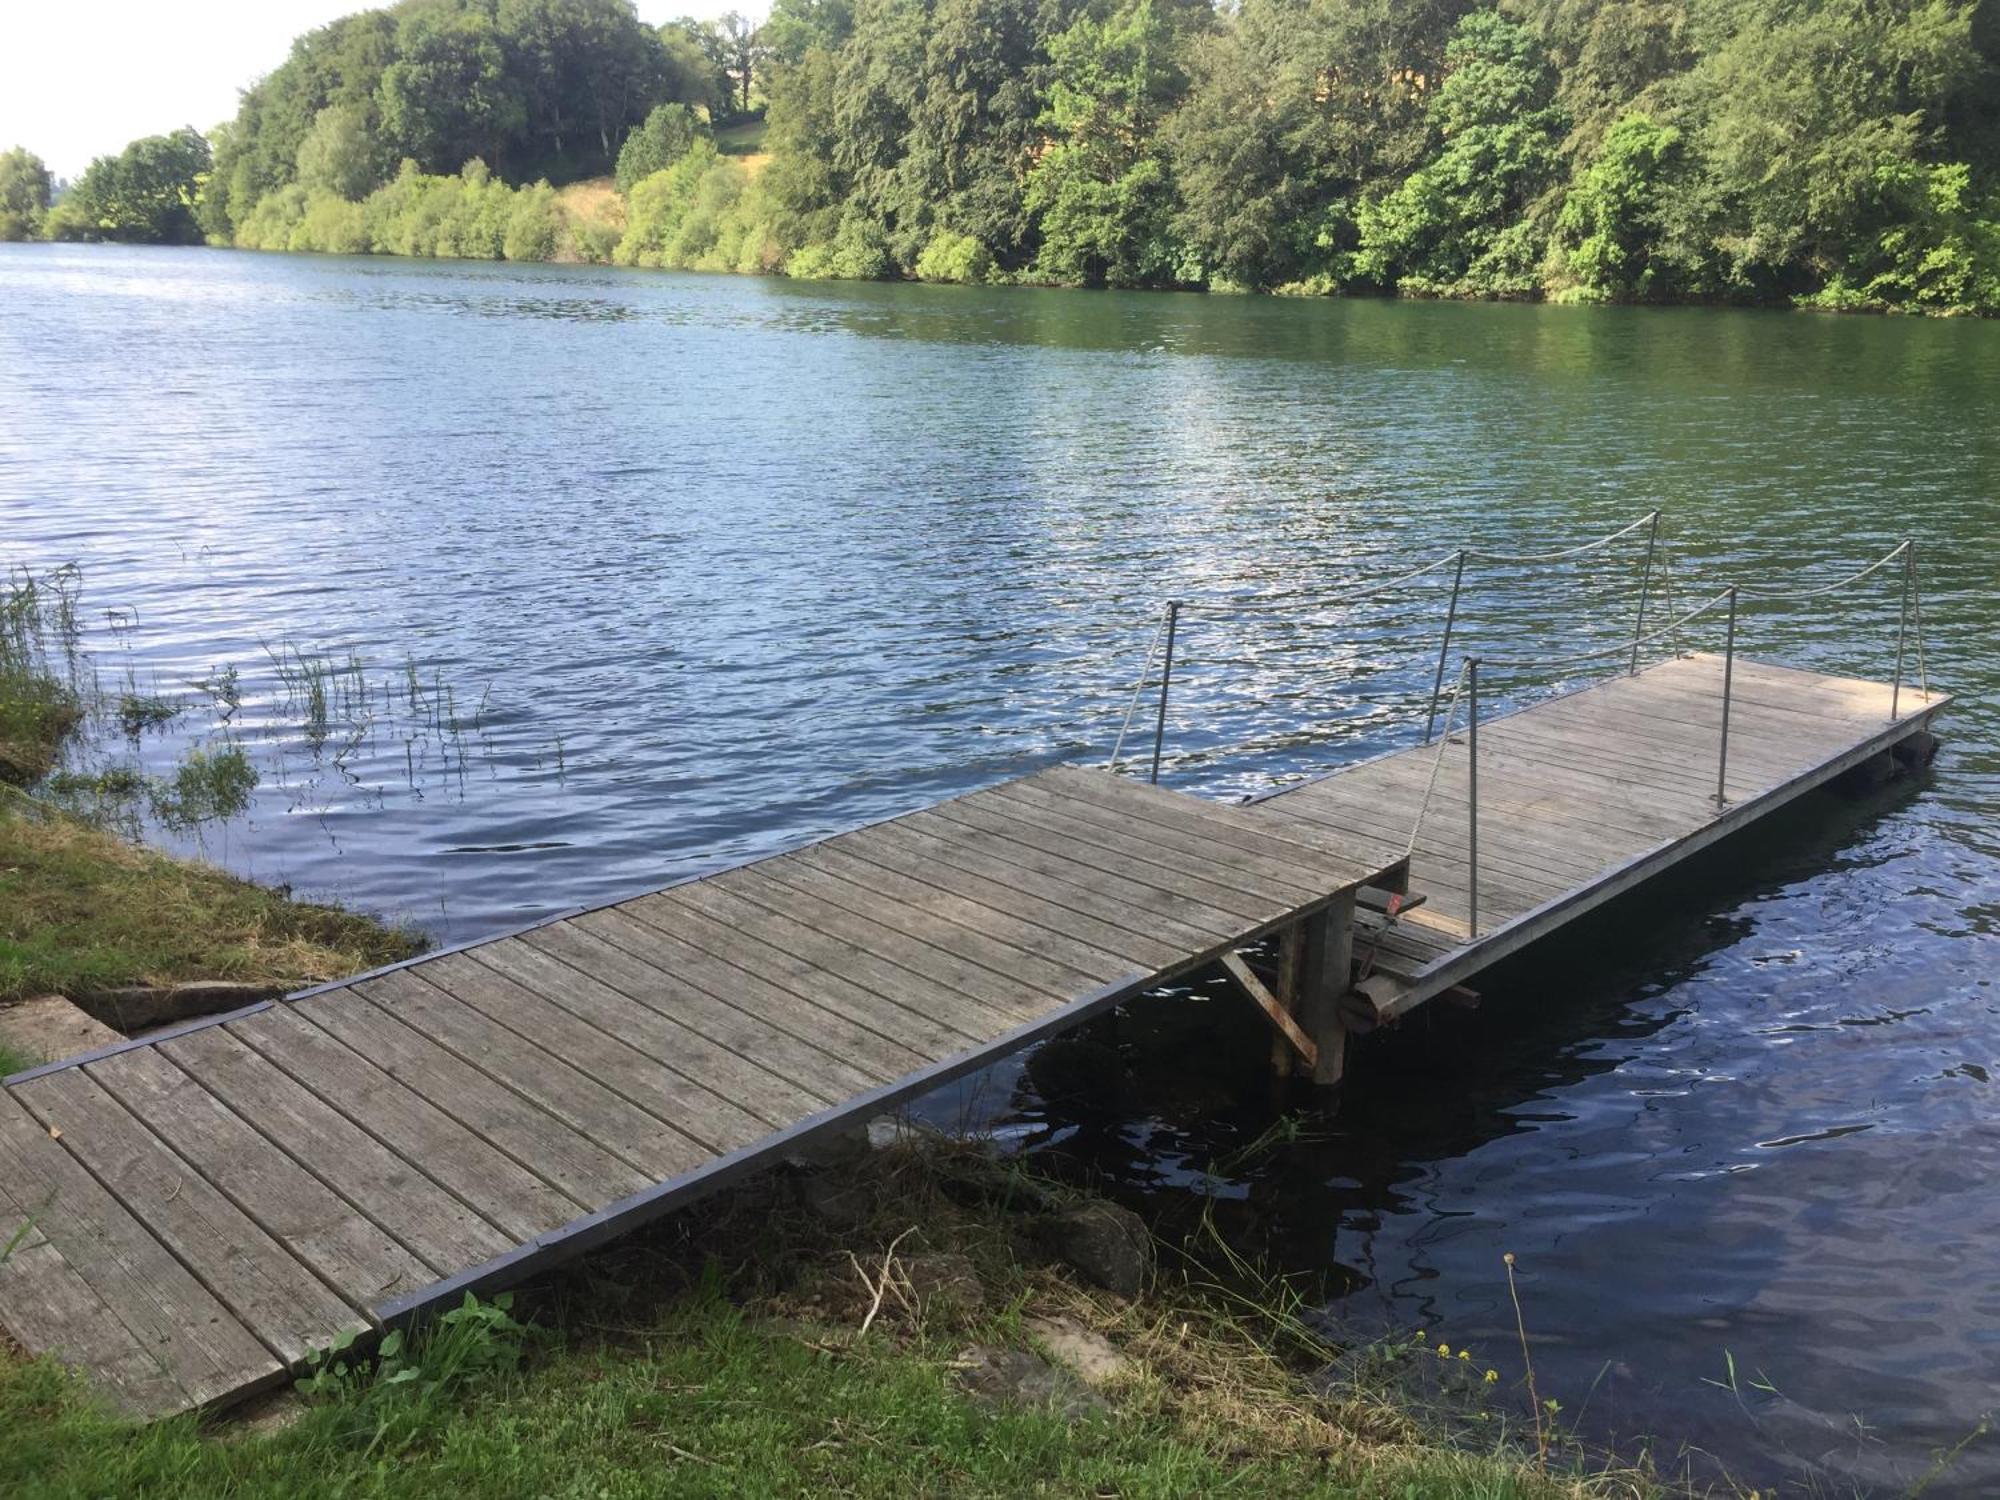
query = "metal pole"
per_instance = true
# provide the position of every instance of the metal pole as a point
(1728, 682)
(1166, 676)
(1645, 585)
(1472, 796)
(1444, 650)
(1903, 625)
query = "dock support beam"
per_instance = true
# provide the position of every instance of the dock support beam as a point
(1326, 971)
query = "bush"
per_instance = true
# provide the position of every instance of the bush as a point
(668, 134)
(955, 258)
(534, 225)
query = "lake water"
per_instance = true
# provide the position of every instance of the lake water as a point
(581, 579)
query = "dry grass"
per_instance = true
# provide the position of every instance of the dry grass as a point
(82, 911)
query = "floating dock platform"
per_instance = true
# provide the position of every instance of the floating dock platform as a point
(187, 1217)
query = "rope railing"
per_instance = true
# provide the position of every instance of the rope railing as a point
(1258, 603)
(1465, 685)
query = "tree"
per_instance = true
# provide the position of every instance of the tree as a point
(146, 194)
(448, 97)
(1610, 222)
(584, 70)
(25, 185)
(1460, 224)
(1296, 109)
(340, 155)
(1102, 191)
(664, 139)
(796, 27)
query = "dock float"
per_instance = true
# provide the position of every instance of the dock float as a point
(189, 1216)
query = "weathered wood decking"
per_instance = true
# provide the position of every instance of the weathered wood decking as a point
(194, 1213)
(1581, 799)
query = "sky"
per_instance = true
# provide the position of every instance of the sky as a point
(83, 77)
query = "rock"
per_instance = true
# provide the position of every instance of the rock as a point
(1108, 1244)
(887, 1132)
(1013, 1377)
(945, 1283)
(1078, 1349)
(49, 1028)
(135, 1007)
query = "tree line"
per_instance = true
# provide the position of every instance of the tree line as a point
(1833, 153)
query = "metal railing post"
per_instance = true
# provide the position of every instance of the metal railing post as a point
(1166, 677)
(1472, 793)
(1645, 586)
(1444, 650)
(1728, 683)
(1903, 623)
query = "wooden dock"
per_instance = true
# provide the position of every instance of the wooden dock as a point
(190, 1215)
(1580, 799)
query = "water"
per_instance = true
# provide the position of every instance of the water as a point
(689, 568)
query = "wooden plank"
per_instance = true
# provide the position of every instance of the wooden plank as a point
(94, 1287)
(653, 1146)
(834, 962)
(773, 1099)
(958, 928)
(267, 1289)
(316, 1226)
(1011, 889)
(1132, 907)
(1327, 864)
(396, 1194)
(565, 1160)
(712, 1121)
(495, 1186)
(1259, 881)
(873, 943)
(929, 899)
(1218, 831)
(1268, 1003)
(819, 1034)
(1151, 887)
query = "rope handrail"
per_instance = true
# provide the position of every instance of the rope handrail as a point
(1512, 559)
(1853, 578)
(1251, 602)
(1516, 663)
(1139, 687)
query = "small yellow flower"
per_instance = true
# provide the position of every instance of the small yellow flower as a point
(1444, 1351)
(1492, 1377)
(1465, 1354)
(1421, 1335)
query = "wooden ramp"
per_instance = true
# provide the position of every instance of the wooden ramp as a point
(1580, 799)
(192, 1214)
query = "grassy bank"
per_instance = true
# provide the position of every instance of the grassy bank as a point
(82, 911)
(814, 1334)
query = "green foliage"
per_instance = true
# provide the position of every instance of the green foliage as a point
(1827, 153)
(1102, 190)
(1609, 224)
(1459, 225)
(665, 137)
(955, 258)
(24, 194)
(147, 193)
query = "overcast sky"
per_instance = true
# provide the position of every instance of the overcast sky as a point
(83, 77)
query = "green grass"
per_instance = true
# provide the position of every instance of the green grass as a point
(721, 1355)
(741, 138)
(37, 713)
(83, 910)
